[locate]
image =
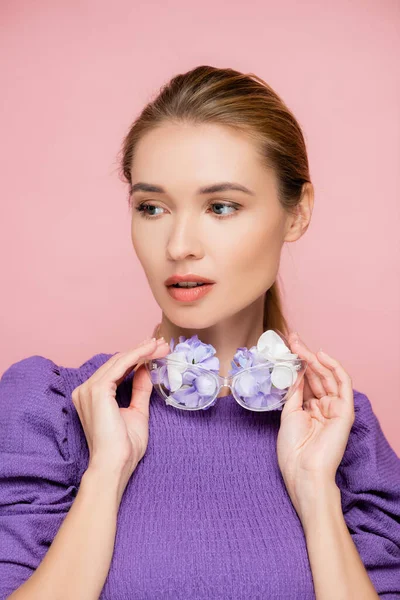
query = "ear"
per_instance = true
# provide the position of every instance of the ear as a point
(299, 220)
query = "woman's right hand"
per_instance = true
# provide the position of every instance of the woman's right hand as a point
(117, 437)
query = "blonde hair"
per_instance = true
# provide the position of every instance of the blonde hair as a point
(247, 104)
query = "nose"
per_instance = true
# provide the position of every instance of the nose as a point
(183, 240)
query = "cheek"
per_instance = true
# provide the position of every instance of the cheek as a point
(146, 251)
(256, 256)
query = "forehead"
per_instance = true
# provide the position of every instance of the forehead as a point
(187, 157)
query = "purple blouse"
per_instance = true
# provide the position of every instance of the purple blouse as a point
(205, 514)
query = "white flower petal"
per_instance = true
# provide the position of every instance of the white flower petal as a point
(270, 342)
(283, 376)
(178, 361)
(271, 346)
(174, 378)
(205, 385)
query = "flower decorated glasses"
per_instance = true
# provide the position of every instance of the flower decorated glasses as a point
(262, 378)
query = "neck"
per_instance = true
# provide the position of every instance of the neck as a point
(241, 330)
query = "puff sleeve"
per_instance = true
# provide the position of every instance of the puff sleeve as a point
(369, 479)
(37, 466)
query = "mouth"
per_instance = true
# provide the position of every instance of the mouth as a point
(189, 294)
(189, 279)
(183, 286)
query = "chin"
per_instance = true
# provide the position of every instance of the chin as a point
(193, 321)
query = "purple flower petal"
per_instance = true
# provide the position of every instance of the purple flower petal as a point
(187, 397)
(247, 385)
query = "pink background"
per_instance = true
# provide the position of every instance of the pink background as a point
(75, 74)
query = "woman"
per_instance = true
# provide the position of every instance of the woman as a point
(139, 499)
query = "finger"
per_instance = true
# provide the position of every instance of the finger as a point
(344, 380)
(110, 362)
(141, 390)
(308, 392)
(160, 352)
(314, 410)
(142, 385)
(326, 376)
(315, 384)
(313, 387)
(123, 363)
(295, 401)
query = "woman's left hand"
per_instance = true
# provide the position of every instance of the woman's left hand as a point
(315, 425)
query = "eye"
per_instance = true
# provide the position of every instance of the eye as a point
(141, 208)
(144, 207)
(225, 205)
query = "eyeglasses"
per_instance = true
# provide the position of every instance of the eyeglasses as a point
(259, 388)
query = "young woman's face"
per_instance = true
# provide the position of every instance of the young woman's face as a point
(232, 237)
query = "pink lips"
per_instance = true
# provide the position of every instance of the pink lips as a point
(190, 294)
(189, 277)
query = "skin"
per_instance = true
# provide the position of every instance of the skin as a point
(190, 232)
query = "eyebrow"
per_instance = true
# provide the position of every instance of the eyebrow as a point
(210, 189)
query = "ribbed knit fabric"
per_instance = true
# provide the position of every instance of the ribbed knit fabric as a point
(205, 515)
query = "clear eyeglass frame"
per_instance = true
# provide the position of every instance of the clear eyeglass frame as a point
(216, 382)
